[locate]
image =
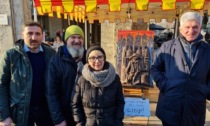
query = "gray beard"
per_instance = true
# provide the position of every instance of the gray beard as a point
(76, 53)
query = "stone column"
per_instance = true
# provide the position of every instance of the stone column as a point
(109, 38)
(18, 12)
(108, 41)
(55, 25)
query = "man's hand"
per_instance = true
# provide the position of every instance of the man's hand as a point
(60, 124)
(6, 122)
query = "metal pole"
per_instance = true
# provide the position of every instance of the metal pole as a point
(176, 30)
(68, 17)
(13, 20)
(35, 13)
(86, 34)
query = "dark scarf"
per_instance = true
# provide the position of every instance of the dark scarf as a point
(101, 78)
(183, 39)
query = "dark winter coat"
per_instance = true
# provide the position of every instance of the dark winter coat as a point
(183, 91)
(62, 71)
(16, 83)
(95, 106)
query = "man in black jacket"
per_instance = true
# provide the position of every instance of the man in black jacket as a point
(62, 74)
(22, 73)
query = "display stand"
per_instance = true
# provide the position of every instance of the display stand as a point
(143, 97)
(136, 91)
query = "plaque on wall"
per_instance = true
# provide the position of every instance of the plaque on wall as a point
(134, 57)
(3, 19)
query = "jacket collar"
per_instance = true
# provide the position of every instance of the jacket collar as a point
(26, 49)
(177, 47)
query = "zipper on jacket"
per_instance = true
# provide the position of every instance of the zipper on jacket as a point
(28, 64)
(190, 56)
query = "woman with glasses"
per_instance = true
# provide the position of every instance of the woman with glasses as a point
(98, 99)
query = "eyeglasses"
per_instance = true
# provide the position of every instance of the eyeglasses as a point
(93, 59)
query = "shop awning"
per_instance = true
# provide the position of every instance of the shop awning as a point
(112, 10)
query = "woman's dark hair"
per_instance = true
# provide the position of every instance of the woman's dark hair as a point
(58, 35)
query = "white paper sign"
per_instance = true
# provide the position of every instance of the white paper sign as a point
(136, 107)
(3, 19)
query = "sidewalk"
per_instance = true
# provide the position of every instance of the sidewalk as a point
(153, 120)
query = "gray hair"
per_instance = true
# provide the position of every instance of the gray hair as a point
(188, 16)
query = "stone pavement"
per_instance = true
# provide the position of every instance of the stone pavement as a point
(152, 95)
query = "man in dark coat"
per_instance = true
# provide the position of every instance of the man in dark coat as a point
(182, 74)
(63, 71)
(22, 73)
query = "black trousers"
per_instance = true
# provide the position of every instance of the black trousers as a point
(166, 124)
(39, 116)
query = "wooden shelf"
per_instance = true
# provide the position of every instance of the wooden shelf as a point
(135, 90)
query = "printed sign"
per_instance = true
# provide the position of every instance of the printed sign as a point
(137, 107)
(3, 19)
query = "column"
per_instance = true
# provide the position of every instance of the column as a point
(18, 12)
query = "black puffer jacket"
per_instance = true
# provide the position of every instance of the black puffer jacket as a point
(62, 70)
(94, 106)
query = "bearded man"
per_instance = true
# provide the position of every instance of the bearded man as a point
(62, 73)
